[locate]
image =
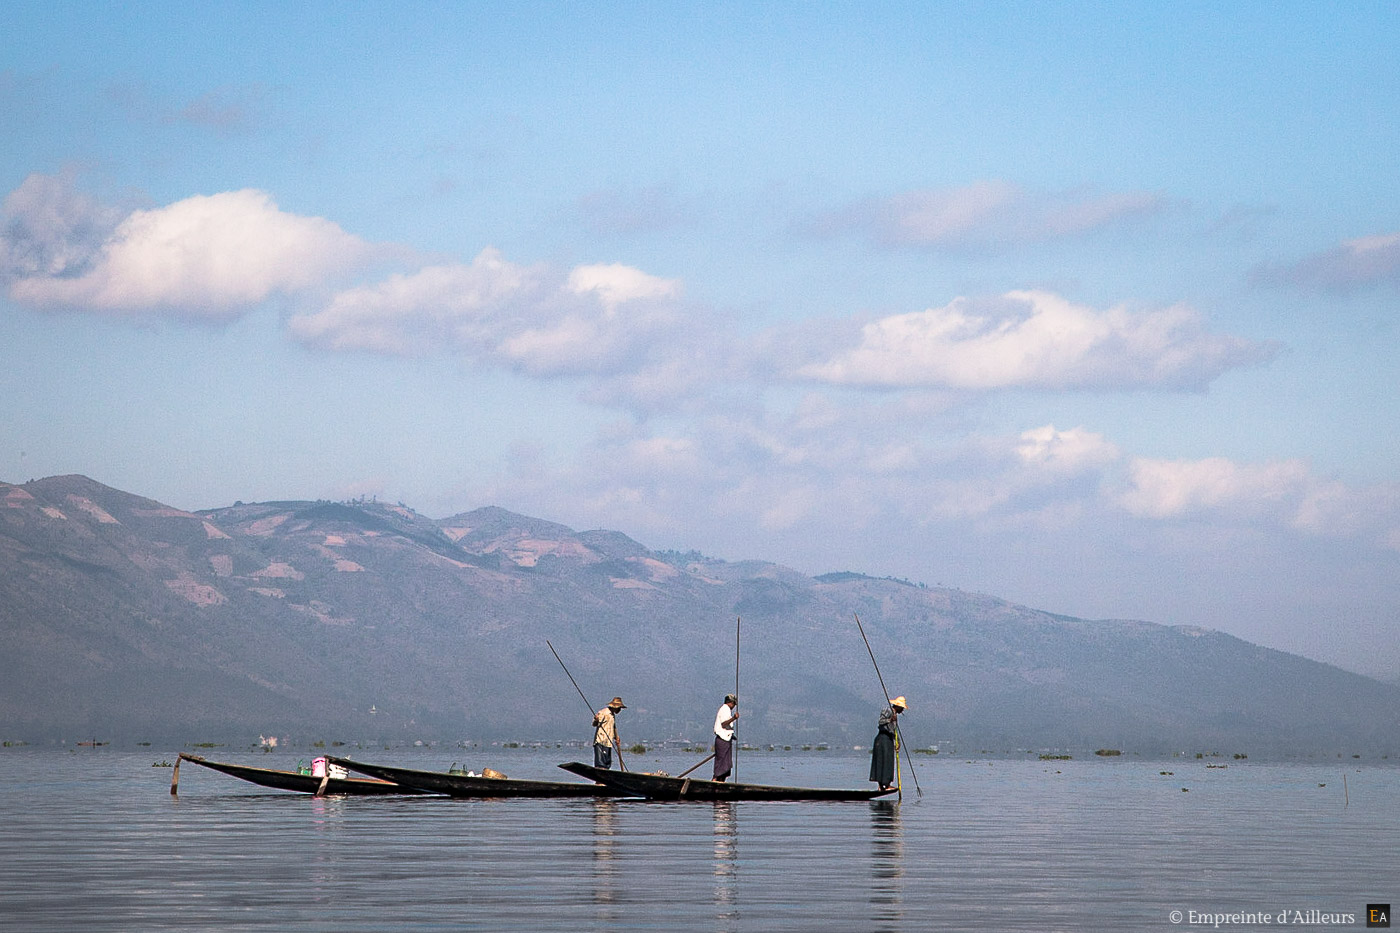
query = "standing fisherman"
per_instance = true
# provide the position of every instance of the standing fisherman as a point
(884, 754)
(605, 733)
(724, 736)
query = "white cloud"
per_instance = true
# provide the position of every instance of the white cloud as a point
(597, 320)
(206, 257)
(1171, 488)
(457, 307)
(616, 283)
(1036, 339)
(1065, 452)
(1333, 508)
(986, 213)
(49, 228)
(1283, 493)
(1359, 263)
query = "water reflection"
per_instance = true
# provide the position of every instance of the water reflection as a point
(726, 866)
(886, 865)
(605, 859)
(326, 812)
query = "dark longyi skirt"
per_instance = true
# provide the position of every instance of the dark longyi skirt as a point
(882, 759)
(724, 757)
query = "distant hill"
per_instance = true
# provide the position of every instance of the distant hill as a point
(121, 617)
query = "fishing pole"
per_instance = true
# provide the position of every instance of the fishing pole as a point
(886, 691)
(622, 764)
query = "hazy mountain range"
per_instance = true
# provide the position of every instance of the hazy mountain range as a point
(122, 618)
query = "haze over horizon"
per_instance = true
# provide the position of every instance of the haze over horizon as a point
(1090, 308)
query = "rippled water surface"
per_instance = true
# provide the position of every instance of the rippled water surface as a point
(91, 840)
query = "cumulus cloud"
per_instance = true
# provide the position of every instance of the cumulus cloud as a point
(1171, 488)
(454, 305)
(597, 319)
(1065, 452)
(987, 213)
(1359, 263)
(1284, 492)
(616, 283)
(49, 228)
(203, 258)
(1035, 339)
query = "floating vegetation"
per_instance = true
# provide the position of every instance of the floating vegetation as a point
(1166, 773)
(1107, 752)
(1240, 757)
(638, 749)
(206, 745)
(1056, 757)
(9, 744)
(161, 764)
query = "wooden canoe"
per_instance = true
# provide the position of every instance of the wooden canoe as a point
(659, 787)
(463, 785)
(296, 781)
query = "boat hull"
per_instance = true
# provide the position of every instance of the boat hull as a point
(659, 787)
(461, 785)
(302, 783)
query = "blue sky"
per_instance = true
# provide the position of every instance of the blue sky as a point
(1091, 306)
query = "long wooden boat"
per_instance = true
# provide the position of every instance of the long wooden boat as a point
(294, 780)
(661, 787)
(466, 785)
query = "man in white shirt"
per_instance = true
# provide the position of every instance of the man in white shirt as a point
(724, 736)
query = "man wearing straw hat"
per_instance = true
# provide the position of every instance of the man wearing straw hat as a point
(605, 733)
(884, 753)
(724, 736)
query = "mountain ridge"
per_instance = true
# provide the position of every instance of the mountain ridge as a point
(120, 615)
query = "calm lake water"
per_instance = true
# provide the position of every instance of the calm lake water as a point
(91, 840)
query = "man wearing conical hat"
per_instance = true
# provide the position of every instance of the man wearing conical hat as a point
(885, 751)
(605, 733)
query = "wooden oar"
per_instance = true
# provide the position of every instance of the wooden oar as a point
(591, 711)
(697, 764)
(898, 737)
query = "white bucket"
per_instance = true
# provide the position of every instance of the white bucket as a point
(318, 767)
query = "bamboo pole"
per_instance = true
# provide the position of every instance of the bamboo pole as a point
(734, 765)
